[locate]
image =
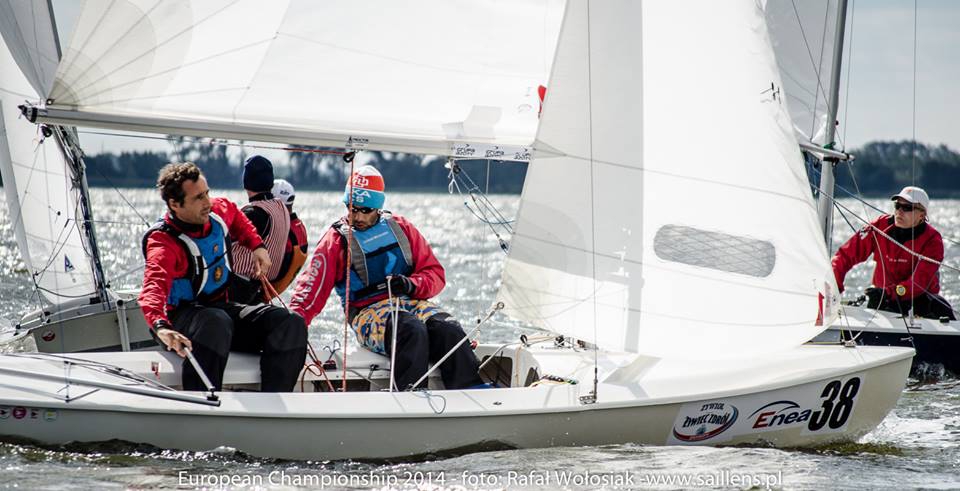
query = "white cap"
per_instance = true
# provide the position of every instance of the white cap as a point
(915, 195)
(283, 190)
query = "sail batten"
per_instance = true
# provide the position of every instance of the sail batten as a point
(644, 235)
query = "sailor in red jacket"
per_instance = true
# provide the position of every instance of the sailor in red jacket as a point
(186, 273)
(390, 261)
(904, 276)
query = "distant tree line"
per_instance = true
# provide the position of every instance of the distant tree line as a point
(880, 168)
(306, 169)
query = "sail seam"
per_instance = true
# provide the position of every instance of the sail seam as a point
(140, 56)
(573, 300)
(692, 178)
(164, 72)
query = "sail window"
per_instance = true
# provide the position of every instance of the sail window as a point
(715, 250)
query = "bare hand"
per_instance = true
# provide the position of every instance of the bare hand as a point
(263, 262)
(174, 341)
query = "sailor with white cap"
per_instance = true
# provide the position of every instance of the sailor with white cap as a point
(907, 251)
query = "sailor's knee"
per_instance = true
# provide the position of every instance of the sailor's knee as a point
(296, 329)
(288, 332)
(213, 329)
(214, 318)
(445, 325)
(411, 327)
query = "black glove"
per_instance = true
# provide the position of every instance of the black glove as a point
(401, 285)
(875, 296)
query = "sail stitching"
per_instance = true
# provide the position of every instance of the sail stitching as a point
(145, 53)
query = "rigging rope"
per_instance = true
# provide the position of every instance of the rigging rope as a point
(913, 146)
(315, 366)
(846, 101)
(485, 211)
(348, 158)
(119, 193)
(816, 66)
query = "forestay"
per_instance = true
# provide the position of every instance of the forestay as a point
(678, 221)
(803, 35)
(423, 76)
(42, 199)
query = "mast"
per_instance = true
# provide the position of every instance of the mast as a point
(827, 181)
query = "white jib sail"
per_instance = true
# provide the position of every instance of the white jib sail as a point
(803, 35)
(678, 221)
(400, 74)
(41, 197)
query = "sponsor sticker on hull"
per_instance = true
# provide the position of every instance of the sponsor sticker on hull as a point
(21, 413)
(815, 408)
(706, 422)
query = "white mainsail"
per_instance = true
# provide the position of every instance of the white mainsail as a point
(803, 36)
(41, 195)
(348, 73)
(678, 219)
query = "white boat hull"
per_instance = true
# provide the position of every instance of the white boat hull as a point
(646, 401)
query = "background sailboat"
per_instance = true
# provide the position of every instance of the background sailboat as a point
(808, 39)
(46, 191)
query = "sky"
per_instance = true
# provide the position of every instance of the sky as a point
(880, 85)
(882, 96)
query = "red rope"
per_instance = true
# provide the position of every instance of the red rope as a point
(269, 293)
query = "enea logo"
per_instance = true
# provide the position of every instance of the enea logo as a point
(837, 399)
(780, 413)
(708, 421)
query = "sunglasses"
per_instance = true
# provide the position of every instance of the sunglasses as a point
(363, 210)
(907, 207)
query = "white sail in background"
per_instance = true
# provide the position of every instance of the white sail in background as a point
(27, 27)
(678, 220)
(42, 199)
(803, 34)
(409, 75)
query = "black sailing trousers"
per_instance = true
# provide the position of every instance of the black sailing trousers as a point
(276, 334)
(420, 343)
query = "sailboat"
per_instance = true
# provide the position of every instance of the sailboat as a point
(658, 258)
(47, 194)
(804, 35)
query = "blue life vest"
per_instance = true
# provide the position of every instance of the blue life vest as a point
(377, 252)
(208, 271)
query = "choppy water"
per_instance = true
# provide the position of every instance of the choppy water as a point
(917, 446)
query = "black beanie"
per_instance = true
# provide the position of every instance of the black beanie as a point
(257, 174)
